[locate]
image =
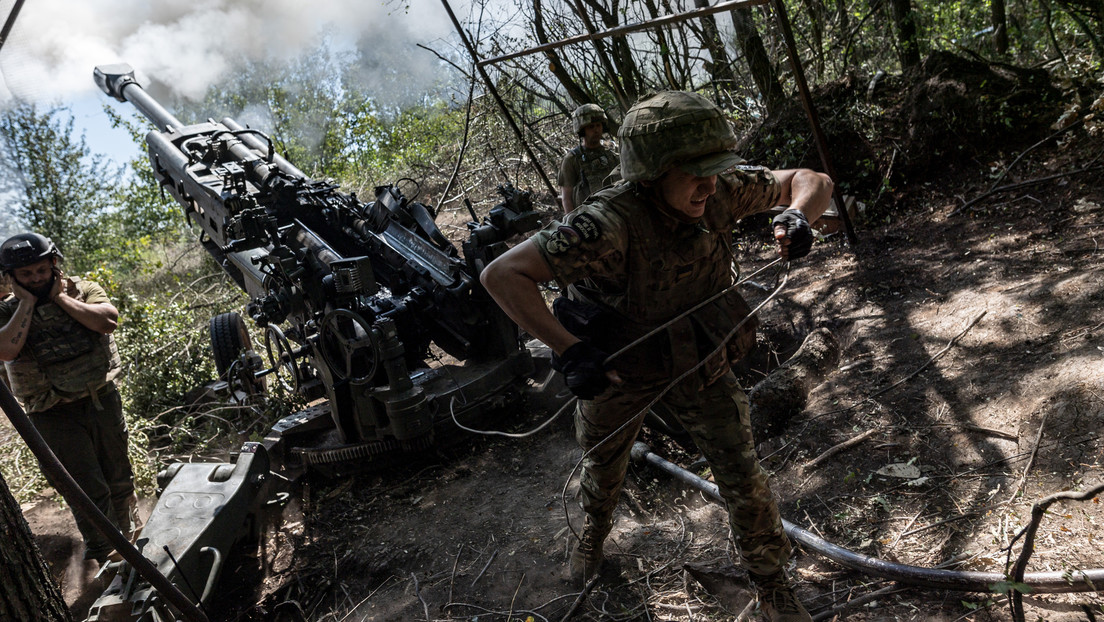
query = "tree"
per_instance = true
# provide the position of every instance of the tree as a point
(27, 592)
(905, 21)
(1000, 26)
(762, 71)
(61, 188)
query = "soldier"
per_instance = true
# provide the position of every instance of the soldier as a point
(584, 168)
(637, 256)
(61, 361)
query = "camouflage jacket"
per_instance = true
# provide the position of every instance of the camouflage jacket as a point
(62, 360)
(585, 171)
(627, 252)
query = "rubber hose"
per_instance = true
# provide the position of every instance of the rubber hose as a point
(956, 580)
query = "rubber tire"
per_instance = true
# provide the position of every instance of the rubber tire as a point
(229, 338)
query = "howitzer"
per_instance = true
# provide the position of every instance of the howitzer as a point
(361, 289)
(352, 297)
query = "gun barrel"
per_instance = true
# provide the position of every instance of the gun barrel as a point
(118, 82)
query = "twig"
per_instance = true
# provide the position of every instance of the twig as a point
(991, 432)
(1031, 460)
(1028, 533)
(463, 148)
(452, 579)
(1016, 161)
(485, 566)
(418, 592)
(870, 397)
(910, 524)
(581, 597)
(949, 345)
(835, 449)
(942, 522)
(1022, 184)
(514, 598)
(855, 602)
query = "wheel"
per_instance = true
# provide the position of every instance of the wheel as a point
(229, 339)
(349, 346)
(281, 358)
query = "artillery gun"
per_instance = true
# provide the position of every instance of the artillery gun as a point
(358, 303)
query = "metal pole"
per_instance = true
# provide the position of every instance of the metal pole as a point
(498, 98)
(84, 506)
(810, 111)
(10, 22)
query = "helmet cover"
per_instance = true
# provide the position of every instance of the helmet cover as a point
(675, 128)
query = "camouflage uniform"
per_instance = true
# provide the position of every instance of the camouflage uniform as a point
(646, 264)
(64, 377)
(585, 171)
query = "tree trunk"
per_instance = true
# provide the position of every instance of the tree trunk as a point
(621, 54)
(905, 21)
(1000, 26)
(26, 590)
(762, 71)
(720, 66)
(574, 91)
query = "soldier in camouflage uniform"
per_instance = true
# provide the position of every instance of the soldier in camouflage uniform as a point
(585, 168)
(61, 362)
(636, 256)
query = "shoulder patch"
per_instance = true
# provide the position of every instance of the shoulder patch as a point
(587, 227)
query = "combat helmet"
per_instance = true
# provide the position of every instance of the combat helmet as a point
(675, 128)
(25, 249)
(586, 114)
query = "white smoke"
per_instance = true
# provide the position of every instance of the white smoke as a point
(188, 45)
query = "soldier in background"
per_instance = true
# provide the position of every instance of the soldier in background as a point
(61, 362)
(584, 169)
(635, 258)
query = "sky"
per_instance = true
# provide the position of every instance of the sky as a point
(187, 45)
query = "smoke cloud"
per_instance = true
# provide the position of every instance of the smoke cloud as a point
(188, 45)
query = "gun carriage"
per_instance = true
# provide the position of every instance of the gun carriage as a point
(355, 299)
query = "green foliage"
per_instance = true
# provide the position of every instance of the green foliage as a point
(385, 147)
(61, 189)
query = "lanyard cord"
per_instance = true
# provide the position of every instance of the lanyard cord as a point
(784, 272)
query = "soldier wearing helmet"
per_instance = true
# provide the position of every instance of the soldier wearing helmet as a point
(61, 362)
(584, 169)
(650, 263)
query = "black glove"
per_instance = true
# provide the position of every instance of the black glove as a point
(584, 370)
(798, 232)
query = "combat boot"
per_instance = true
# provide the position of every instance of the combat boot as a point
(586, 557)
(777, 600)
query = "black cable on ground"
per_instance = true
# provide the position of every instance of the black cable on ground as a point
(955, 580)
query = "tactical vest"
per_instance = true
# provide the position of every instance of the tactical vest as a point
(594, 166)
(61, 361)
(670, 270)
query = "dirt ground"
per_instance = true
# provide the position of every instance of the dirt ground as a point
(972, 364)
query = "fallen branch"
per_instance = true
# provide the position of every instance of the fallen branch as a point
(835, 449)
(931, 360)
(1031, 460)
(418, 593)
(1022, 184)
(581, 597)
(828, 614)
(1028, 533)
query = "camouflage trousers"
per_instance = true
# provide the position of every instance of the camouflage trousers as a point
(92, 446)
(718, 420)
